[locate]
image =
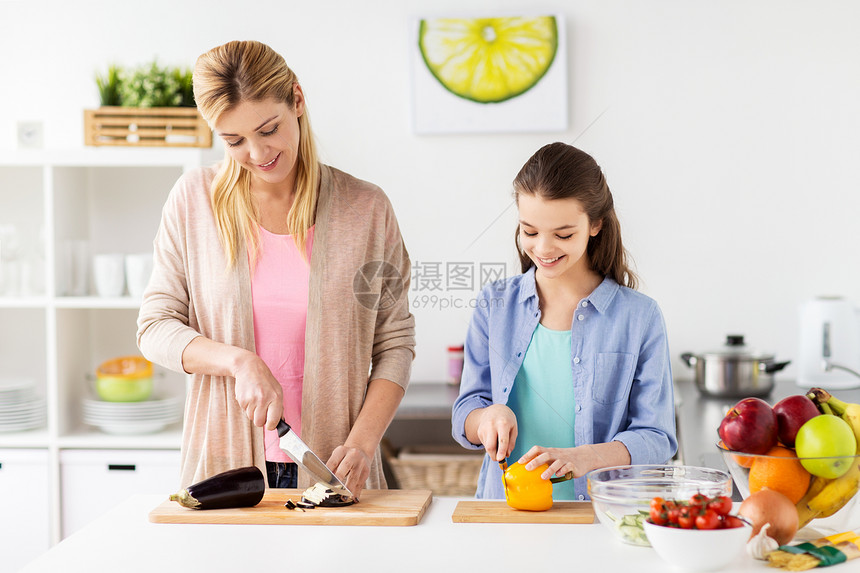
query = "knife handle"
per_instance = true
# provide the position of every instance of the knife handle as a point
(283, 427)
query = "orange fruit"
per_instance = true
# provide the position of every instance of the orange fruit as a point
(743, 461)
(786, 476)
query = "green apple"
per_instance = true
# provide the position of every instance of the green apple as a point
(830, 439)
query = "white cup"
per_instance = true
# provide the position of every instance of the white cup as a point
(109, 274)
(138, 268)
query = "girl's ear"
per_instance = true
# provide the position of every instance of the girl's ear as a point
(595, 228)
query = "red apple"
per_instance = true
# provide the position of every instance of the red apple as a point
(791, 413)
(749, 427)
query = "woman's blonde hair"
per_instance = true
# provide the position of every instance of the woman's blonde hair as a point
(252, 71)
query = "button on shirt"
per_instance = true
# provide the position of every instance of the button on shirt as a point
(622, 374)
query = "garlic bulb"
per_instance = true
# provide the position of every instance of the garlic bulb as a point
(761, 544)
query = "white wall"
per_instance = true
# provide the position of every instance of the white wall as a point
(728, 132)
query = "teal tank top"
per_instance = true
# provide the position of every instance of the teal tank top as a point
(543, 401)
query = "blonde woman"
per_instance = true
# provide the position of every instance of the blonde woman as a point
(279, 286)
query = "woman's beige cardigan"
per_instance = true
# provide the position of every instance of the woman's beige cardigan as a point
(349, 340)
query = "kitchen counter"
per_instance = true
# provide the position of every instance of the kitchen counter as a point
(124, 540)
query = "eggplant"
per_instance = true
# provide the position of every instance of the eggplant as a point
(240, 487)
(323, 496)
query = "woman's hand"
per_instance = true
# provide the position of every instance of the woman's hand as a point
(580, 460)
(258, 392)
(496, 430)
(351, 466)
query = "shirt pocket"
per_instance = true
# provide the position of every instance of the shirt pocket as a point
(613, 377)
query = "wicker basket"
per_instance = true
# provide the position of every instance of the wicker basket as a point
(146, 127)
(443, 472)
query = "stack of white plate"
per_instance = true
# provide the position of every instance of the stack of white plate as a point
(20, 408)
(143, 417)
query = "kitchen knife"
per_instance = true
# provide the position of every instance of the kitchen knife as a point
(504, 465)
(300, 453)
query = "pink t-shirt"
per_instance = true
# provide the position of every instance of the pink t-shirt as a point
(279, 289)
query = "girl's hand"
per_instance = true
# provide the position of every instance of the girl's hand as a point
(258, 393)
(560, 461)
(351, 466)
(580, 460)
(497, 430)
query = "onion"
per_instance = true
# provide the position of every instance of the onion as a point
(769, 506)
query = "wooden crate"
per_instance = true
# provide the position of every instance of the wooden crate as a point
(146, 127)
(446, 471)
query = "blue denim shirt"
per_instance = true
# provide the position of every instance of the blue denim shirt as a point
(621, 369)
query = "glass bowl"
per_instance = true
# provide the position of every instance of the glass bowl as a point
(622, 495)
(841, 516)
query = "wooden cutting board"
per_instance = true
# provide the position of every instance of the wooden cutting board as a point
(500, 512)
(377, 507)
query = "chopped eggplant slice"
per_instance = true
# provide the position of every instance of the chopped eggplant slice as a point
(321, 495)
(292, 505)
(303, 505)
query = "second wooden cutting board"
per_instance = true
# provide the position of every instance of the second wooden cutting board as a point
(377, 507)
(489, 511)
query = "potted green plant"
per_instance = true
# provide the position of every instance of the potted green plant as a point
(148, 105)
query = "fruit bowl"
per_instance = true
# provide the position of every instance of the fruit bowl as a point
(124, 379)
(698, 549)
(622, 495)
(782, 470)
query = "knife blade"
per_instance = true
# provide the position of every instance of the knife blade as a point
(300, 453)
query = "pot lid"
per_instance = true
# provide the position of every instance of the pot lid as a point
(736, 348)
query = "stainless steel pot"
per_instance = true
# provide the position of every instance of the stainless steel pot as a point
(734, 371)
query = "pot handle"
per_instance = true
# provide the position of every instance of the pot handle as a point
(771, 367)
(689, 359)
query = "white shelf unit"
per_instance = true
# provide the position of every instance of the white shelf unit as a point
(110, 198)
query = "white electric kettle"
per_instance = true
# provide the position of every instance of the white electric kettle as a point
(829, 344)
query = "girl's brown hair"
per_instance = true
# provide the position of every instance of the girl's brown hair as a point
(252, 71)
(561, 171)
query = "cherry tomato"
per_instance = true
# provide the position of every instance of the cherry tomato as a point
(721, 504)
(699, 499)
(659, 517)
(674, 514)
(686, 517)
(708, 519)
(657, 503)
(730, 522)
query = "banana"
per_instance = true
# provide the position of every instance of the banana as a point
(848, 412)
(804, 514)
(839, 491)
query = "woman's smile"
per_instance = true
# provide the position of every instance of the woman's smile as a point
(271, 164)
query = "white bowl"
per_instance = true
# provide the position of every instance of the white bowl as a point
(698, 549)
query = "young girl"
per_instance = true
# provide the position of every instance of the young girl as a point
(565, 364)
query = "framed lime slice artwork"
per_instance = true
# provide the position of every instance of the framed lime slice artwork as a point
(488, 60)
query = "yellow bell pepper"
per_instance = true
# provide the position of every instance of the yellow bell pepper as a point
(526, 490)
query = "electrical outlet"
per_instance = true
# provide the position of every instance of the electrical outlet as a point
(30, 134)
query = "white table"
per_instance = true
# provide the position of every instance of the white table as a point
(124, 540)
